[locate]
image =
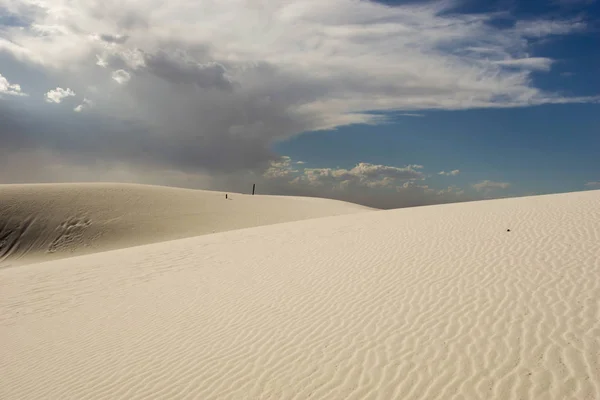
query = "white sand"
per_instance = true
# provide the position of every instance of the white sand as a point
(51, 221)
(435, 302)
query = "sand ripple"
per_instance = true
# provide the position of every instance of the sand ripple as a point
(426, 303)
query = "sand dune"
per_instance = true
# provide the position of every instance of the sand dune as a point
(50, 221)
(436, 302)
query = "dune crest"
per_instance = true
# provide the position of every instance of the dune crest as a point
(437, 302)
(42, 222)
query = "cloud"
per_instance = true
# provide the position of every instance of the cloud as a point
(452, 190)
(59, 94)
(541, 28)
(101, 62)
(121, 76)
(118, 39)
(449, 173)
(487, 186)
(12, 89)
(380, 186)
(280, 169)
(8, 18)
(412, 115)
(178, 68)
(531, 63)
(84, 105)
(363, 174)
(198, 97)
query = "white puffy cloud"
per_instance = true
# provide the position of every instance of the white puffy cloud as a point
(363, 174)
(449, 173)
(280, 169)
(12, 89)
(379, 186)
(59, 94)
(121, 76)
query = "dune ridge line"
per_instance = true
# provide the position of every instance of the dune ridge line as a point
(41, 222)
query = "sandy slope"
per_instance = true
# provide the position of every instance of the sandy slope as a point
(50, 221)
(435, 302)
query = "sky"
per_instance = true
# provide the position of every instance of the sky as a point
(385, 103)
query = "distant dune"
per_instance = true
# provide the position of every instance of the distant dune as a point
(486, 300)
(49, 221)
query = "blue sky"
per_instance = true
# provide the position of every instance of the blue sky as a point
(540, 149)
(388, 103)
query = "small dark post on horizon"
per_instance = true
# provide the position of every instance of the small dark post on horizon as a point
(253, 187)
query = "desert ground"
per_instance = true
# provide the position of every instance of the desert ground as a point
(50, 221)
(112, 291)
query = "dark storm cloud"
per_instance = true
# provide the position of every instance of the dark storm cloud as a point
(223, 132)
(177, 69)
(120, 39)
(123, 14)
